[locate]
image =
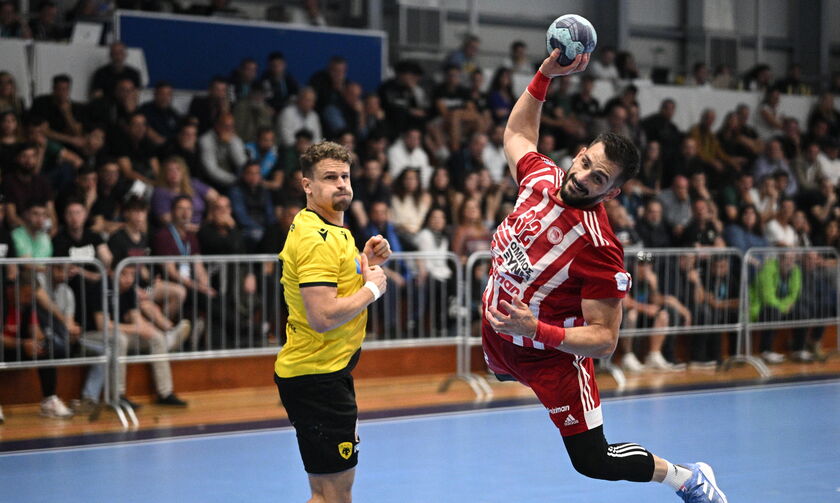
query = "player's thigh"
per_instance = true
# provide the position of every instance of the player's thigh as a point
(333, 487)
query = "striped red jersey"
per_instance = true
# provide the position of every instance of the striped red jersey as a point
(552, 255)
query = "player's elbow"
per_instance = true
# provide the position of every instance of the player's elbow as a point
(609, 341)
(318, 323)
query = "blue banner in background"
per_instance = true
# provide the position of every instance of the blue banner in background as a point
(188, 51)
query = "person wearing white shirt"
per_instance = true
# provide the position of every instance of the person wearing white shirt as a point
(779, 231)
(604, 67)
(222, 152)
(297, 116)
(493, 154)
(829, 162)
(408, 153)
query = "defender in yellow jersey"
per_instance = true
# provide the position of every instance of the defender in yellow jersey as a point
(328, 286)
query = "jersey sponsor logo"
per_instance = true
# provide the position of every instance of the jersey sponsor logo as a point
(554, 235)
(515, 261)
(622, 281)
(345, 449)
(549, 162)
(570, 420)
(323, 233)
(558, 410)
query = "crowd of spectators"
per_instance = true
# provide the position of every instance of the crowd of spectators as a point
(112, 178)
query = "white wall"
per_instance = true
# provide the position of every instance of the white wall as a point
(654, 13)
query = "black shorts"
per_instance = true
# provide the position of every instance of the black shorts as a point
(323, 411)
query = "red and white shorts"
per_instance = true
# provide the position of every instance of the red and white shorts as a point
(563, 382)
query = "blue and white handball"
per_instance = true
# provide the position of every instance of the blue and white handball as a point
(573, 35)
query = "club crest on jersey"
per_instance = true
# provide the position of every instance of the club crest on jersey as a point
(345, 449)
(515, 261)
(554, 235)
(622, 281)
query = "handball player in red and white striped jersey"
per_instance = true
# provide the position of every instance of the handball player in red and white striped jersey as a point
(553, 299)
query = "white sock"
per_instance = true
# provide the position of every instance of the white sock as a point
(676, 476)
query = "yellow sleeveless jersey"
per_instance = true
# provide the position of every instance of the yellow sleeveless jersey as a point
(318, 253)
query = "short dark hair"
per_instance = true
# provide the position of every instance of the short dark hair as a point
(178, 199)
(162, 83)
(620, 150)
(517, 44)
(62, 77)
(320, 151)
(135, 203)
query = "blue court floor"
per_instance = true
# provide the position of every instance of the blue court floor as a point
(767, 444)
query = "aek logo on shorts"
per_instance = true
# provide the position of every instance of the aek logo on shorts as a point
(515, 261)
(345, 449)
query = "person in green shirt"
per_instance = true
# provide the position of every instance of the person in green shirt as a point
(31, 239)
(774, 296)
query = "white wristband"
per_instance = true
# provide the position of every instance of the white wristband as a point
(370, 285)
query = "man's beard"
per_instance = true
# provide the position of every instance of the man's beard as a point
(576, 200)
(342, 204)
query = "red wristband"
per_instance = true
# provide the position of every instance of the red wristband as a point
(538, 87)
(549, 335)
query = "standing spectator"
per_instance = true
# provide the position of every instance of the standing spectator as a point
(251, 203)
(185, 146)
(136, 152)
(676, 204)
(161, 116)
(9, 99)
(518, 60)
(297, 116)
(774, 298)
(243, 79)
(209, 108)
(403, 99)
(500, 96)
(222, 153)
(278, 85)
(11, 25)
(45, 26)
(329, 82)
(651, 228)
(817, 301)
(466, 58)
(604, 67)
(105, 77)
(660, 127)
(773, 161)
(407, 152)
(409, 205)
(435, 275)
(746, 232)
(63, 114)
(704, 229)
(779, 231)
(768, 121)
(174, 181)
(24, 185)
(251, 114)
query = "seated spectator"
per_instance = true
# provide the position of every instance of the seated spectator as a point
(403, 100)
(466, 57)
(111, 190)
(585, 105)
(222, 153)
(297, 116)
(829, 159)
(792, 81)
(734, 197)
(704, 229)
(11, 137)
(329, 83)
(803, 229)
(11, 25)
(105, 77)
(161, 116)
(626, 64)
(278, 85)
(614, 121)
(64, 115)
(709, 149)
(24, 185)
(773, 161)
(30, 239)
(9, 99)
(808, 169)
(722, 77)
(264, 152)
(759, 78)
(768, 199)
(24, 337)
(736, 141)
(185, 146)
(493, 156)
(651, 170)
(825, 110)
(55, 162)
(698, 189)
(243, 79)
(699, 76)
(407, 152)
(604, 66)
(368, 188)
(720, 303)
(469, 159)
(557, 118)
(768, 121)
(500, 97)
(347, 114)
(92, 152)
(518, 60)
(251, 203)
(816, 301)
(779, 231)
(135, 152)
(46, 26)
(676, 205)
(824, 206)
(209, 108)
(660, 127)
(84, 190)
(409, 205)
(116, 110)
(775, 297)
(651, 227)
(791, 139)
(687, 162)
(470, 235)
(251, 114)
(175, 181)
(375, 124)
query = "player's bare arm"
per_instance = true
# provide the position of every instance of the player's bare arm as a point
(325, 310)
(522, 130)
(597, 339)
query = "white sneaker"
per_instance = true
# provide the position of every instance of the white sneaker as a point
(176, 335)
(772, 357)
(802, 356)
(703, 365)
(630, 363)
(52, 406)
(655, 361)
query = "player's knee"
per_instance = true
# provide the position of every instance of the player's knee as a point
(592, 464)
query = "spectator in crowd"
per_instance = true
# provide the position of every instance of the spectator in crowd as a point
(403, 100)
(622, 224)
(278, 85)
(779, 231)
(773, 161)
(584, 105)
(759, 78)
(613, 121)
(397, 272)
(651, 228)
(458, 114)
(347, 114)
(9, 99)
(11, 137)
(209, 108)
(803, 229)
(500, 96)
(825, 110)
(264, 152)
(409, 204)
(747, 231)
(114, 111)
(435, 274)
(161, 116)
(54, 161)
(222, 153)
(824, 206)
(251, 114)
(517, 60)
(11, 25)
(31, 239)
(470, 235)
(443, 194)
(105, 77)
(174, 181)
(774, 297)
(243, 79)
(466, 58)
(829, 159)
(736, 141)
(712, 153)
(808, 169)
(78, 241)
(493, 155)
(651, 171)
(308, 14)
(686, 163)
(768, 199)
(407, 152)
(297, 116)
(698, 189)
(792, 81)
(24, 185)
(660, 127)
(699, 76)
(92, 153)
(368, 188)
(816, 301)
(185, 146)
(720, 303)
(46, 26)
(604, 66)
(64, 115)
(465, 161)
(329, 83)
(791, 139)
(136, 152)
(111, 191)
(768, 121)
(375, 123)
(83, 189)
(676, 204)
(252, 208)
(625, 62)
(704, 229)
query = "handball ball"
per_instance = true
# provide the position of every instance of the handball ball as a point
(573, 35)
